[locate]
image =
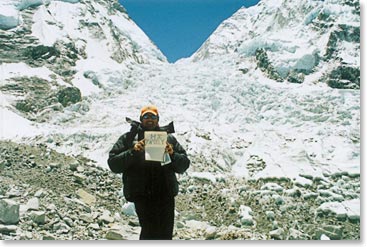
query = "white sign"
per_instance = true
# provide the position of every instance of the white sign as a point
(155, 145)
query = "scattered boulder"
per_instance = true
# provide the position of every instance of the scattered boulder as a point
(86, 197)
(38, 217)
(210, 211)
(48, 236)
(332, 231)
(106, 217)
(6, 229)
(74, 165)
(9, 212)
(277, 234)
(40, 193)
(112, 235)
(272, 186)
(297, 235)
(211, 233)
(33, 204)
(245, 214)
(86, 217)
(270, 215)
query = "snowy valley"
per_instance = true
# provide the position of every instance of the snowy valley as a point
(268, 110)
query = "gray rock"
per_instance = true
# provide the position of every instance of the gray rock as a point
(79, 178)
(8, 229)
(311, 195)
(273, 187)
(26, 235)
(88, 218)
(274, 225)
(79, 203)
(38, 217)
(247, 221)
(13, 192)
(73, 166)
(332, 231)
(54, 165)
(2, 167)
(277, 234)
(180, 224)
(270, 215)
(33, 204)
(279, 200)
(133, 222)
(9, 212)
(48, 236)
(94, 226)
(68, 221)
(210, 233)
(86, 197)
(61, 227)
(80, 169)
(297, 235)
(117, 216)
(293, 192)
(22, 210)
(245, 214)
(111, 235)
(51, 207)
(106, 217)
(40, 193)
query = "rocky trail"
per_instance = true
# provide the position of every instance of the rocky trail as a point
(45, 195)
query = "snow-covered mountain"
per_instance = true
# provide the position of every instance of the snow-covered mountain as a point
(68, 49)
(79, 43)
(291, 39)
(272, 95)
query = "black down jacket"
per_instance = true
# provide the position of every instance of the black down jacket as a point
(146, 179)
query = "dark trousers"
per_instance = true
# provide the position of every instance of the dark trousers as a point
(156, 218)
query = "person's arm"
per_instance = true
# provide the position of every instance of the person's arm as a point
(120, 156)
(180, 161)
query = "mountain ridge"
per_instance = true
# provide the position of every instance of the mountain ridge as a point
(291, 39)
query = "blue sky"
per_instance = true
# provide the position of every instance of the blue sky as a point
(180, 27)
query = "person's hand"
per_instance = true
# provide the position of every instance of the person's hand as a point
(169, 148)
(139, 146)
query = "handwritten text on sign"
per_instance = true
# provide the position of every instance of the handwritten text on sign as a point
(155, 138)
(155, 144)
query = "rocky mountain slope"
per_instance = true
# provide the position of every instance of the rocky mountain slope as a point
(45, 195)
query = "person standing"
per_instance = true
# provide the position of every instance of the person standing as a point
(150, 185)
